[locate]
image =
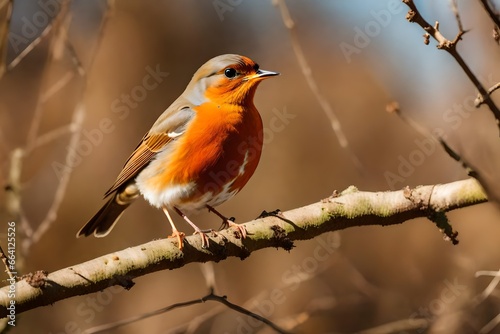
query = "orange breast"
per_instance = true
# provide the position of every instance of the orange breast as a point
(222, 145)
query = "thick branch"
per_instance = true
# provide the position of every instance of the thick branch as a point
(350, 208)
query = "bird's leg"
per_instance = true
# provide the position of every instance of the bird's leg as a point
(204, 238)
(175, 232)
(228, 222)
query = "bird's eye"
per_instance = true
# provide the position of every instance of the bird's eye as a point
(230, 73)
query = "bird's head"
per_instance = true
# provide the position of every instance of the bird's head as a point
(227, 78)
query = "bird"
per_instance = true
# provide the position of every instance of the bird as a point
(200, 152)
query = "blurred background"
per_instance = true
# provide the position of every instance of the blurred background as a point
(363, 55)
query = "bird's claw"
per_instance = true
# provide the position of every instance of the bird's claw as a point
(180, 238)
(230, 223)
(204, 238)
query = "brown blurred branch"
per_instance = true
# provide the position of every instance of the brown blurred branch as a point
(350, 208)
(76, 122)
(399, 326)
(4, 34)
(211, 296)
(491, 12)
(451, 47)
(313, 86)
(13, 185)
(59, 43)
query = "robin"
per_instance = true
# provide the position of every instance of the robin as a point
(199, 153)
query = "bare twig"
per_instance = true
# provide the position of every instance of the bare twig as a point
(490, 326)
(399, 326)
(491, 12)
(108, 14)
(55, 26)
(74, 127)
(13, 186)
(30, 47)
(489, 289)
(451, 47)
(467, 166)
(454, 8)
(208, 271)
(313, 86)
(334, 242)
(194, 323)
(394, 108)
(50, 217)
(117, 324)
(480, 100)
(51, 136)
(237, 308)
(211, 296)
(351, 208)
(4, 33)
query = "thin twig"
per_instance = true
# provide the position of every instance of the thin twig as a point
(489, 289)
(31, 141)
(50, 217)
(394, 108)
(399, 326)
(480, 100)
(490, 326)
(451, 47)
(37, 116)
(210, 296)
(454, 8)
(491, 12)
(35, 140)
(13, 186)
(51, 136)
(74, 127)
(108, 14)
(117, 324)
(4, 33)
(57, 86)
(31, 46)
(313, 86)
(467, 166)
(237, 308)
(194, 324)
(208, 272)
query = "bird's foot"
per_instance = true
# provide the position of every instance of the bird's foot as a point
(229, 222)
(180, 238)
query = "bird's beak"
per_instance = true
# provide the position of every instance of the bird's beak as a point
(261, 74)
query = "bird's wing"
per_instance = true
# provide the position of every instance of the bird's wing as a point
(169, 126)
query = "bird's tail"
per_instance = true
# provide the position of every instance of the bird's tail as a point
(105, 219)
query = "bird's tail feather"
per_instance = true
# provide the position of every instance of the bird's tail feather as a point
(105, 219)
